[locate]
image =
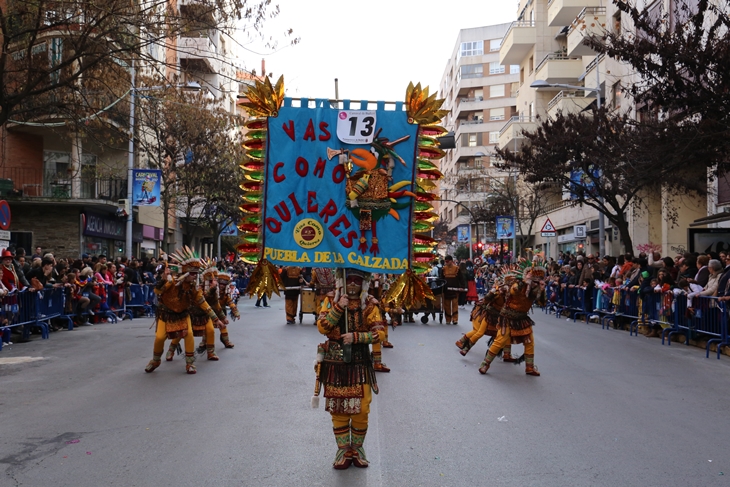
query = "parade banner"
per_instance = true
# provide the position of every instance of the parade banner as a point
(146, 187)
(463, 233)
(339, 186)
(505, 227)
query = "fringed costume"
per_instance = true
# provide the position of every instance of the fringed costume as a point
(454, 280)
(515, 326)
(175, 299)
(292, 278)
(225, 301)
(485, 319)
(323, 282)
(347, 372)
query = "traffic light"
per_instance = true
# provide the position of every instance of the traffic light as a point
(480, 246)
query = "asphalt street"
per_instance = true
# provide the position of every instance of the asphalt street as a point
(609, 410)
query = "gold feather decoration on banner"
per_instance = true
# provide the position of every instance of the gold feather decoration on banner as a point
(265, 279)
(265, 99)
(409, 291)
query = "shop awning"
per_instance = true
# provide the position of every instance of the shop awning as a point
(716, 218)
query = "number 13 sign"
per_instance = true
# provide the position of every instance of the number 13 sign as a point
(356, 126)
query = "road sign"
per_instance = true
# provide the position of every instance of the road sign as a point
(548, 230)
(4, 215)
(4, 235)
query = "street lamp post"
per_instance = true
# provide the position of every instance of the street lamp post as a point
(130, 160)
(597, 90)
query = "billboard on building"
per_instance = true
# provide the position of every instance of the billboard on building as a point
(146, 187)
(505, 227)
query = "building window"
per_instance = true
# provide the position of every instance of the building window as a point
(472, 140)
(514, 69)
(496, 68)
(495, 44)
(531, 64)
(723, 190)
(496, 90)
(472, 71)
(618, 95)
(474, 48)
(496, 114)
(493, 137)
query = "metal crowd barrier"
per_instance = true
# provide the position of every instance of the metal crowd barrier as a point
(28, 309)
(707, 316)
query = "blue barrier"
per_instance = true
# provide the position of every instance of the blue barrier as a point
(707, 316)
(136, 298)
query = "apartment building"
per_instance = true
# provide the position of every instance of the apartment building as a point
(546, 41)
(479, 92)
(64, 180)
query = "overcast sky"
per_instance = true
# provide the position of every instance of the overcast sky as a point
(373, 47)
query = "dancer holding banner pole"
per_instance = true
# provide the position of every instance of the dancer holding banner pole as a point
(351, 323)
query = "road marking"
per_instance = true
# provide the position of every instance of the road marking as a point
(19, 360)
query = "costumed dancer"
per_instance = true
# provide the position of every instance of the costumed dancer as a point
(226, 300)
(378, 364)
(344, 367)
(395, 313)
(323, 282)
(175, 298)
(485, 319)
(201, 322)
(293, 280)
(515, 326)
(455, 280)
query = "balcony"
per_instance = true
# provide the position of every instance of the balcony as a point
(198, 55)
(563, 12)
(559, 68)
(568, 102)
(589, 77)
(517, 42)
(38, 184)
(511, 136)
(591, 21)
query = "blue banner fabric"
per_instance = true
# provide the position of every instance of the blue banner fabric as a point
(505, 227)
(146, 187)
(338, 188)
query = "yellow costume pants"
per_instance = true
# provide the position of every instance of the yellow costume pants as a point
(504, 340)
(360, 420)
(161, 336)
(290, 305)
(451, 309)
(209, 336)
(479, 327)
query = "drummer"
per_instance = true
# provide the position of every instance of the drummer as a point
(293, 281)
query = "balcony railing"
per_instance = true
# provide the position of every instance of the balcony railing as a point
(517, 24)
(554, 56)
(471, 100)
(563, 95)
(580, 19)
(594, 63)
(472, 122)
(516, 119)
(557, 206)
(35, 183)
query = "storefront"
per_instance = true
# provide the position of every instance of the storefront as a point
(151, 239)
(106, 234)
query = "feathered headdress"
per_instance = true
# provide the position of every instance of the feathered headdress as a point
(188, 259)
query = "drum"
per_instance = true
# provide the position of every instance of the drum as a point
(308, 304)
